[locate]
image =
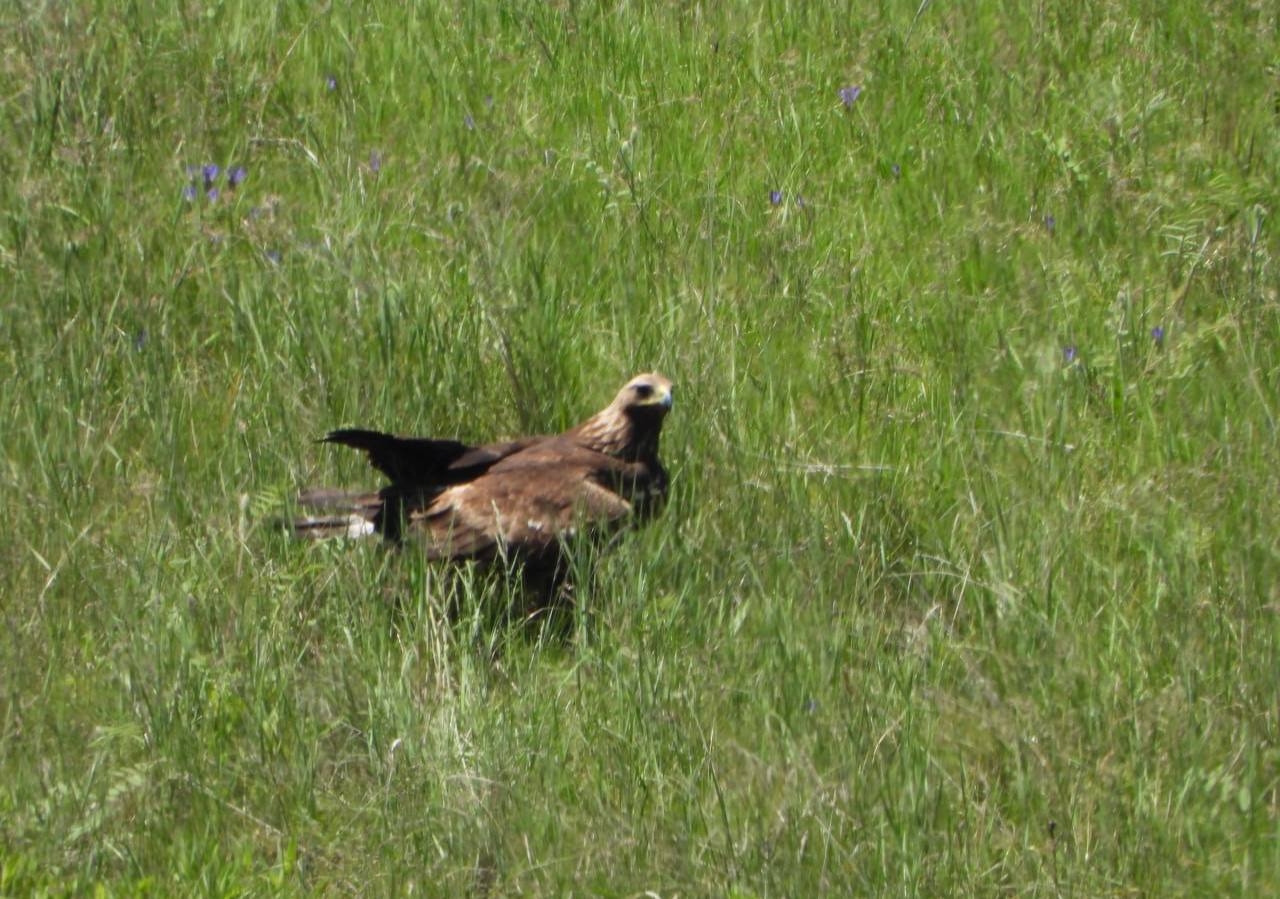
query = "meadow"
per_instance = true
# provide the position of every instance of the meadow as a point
(969, 584)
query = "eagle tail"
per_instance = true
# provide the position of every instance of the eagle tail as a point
(339, 514)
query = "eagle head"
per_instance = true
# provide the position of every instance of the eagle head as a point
(644, 396)
(629, 426)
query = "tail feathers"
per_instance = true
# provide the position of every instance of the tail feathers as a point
(345, 514)
(320, 528)
(324, 498)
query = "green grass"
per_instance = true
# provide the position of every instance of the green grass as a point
(933, 611)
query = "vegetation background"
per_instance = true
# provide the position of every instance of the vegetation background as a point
(969, 585)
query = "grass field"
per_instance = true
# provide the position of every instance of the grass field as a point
(970, 580)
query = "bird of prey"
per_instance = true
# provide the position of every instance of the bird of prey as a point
(517, 500)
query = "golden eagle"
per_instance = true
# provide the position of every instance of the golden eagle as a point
(517, 500)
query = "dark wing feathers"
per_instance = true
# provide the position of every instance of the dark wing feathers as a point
(424, 462)
(405, 460)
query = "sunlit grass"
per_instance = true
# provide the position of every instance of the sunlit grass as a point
(967, 585)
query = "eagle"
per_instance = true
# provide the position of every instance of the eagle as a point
(518, 501)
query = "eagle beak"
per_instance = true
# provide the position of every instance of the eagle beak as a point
(667, 399)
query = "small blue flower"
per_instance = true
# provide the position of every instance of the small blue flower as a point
(775, 197)
(1069, 353)
(189, 193)
(210, 173)
(849, 94)
(1157, 334)
(212, 194)
(236, 177)
(375, 161)
(1050, 223)
(897, 170)
(331, 82)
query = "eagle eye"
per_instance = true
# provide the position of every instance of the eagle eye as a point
(644, 391)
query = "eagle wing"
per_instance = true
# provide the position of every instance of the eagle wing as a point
(426, 462)
(525, 504)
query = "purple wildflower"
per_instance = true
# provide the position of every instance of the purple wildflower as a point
(775, 197)
(1050, 223)
(849, 94)
(212, 194)
(189, 193)
(210, 173)
(1069, 353)
(236, 177)
(1157, 334)
(897, 170)
(331, 82)
(375, 161)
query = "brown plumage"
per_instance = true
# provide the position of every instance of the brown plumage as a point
(519, 499)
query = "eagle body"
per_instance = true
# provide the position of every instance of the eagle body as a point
(518, 500)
